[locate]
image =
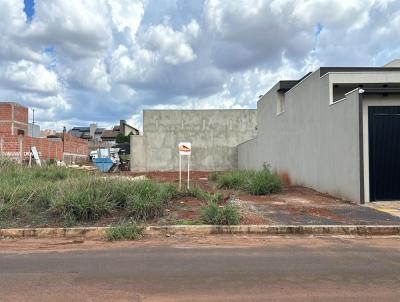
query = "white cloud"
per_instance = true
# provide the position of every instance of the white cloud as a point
(104, 60)
(28, 76)
(90, 74)
(13, 24)
(127, 15)
(76, 28)
(172, 46)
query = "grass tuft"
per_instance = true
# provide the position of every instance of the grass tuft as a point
(51, 194)
(253, 182)
(204, 195)
(216, 215)
(125, 230)
(147, 199)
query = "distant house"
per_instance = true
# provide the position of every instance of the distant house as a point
(47, 132)
(91, 133)
(109, 135)
(123, 127)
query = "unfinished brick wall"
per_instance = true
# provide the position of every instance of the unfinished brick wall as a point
(18, 147)
(20, 114)
(14, 117)
(5, 112)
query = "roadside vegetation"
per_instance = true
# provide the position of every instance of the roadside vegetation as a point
(253, 182)
(204, 195)
(53, 194)
(125, 230)
(59, 196)
(212, 213)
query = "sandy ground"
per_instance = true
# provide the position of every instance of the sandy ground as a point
(36, 245)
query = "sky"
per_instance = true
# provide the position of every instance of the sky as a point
(82, 61)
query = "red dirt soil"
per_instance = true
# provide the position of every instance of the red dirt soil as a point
(171, 176)
(294, 199)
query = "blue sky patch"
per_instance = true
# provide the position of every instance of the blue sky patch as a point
(29, 9)
(318, 29)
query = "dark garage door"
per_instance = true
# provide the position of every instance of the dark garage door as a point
(384, 152)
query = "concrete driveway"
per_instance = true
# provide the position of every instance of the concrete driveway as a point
(390, 207)
(299, 205)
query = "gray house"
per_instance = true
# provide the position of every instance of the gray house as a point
(336, 130)
(214, 134)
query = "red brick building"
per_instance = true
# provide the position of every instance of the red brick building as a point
(15, 142)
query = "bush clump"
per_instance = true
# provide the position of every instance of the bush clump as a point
(204, 195)
(125, 230)
(220, 215)
(82, 199)
(253, 182)
(46, 194)
(147, 199)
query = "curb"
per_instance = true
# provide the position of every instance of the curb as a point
(204, 230)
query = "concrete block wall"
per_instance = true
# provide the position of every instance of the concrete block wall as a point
(214, 135)
(314, 143)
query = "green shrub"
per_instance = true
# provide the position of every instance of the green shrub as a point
(85, 199)
(263, 182)
(74, 196)
(216, 215)
(233, 180)
(120, 190)
(253, 182)
(125, 230)
(210, 213)
(204, 195)
(147, 199)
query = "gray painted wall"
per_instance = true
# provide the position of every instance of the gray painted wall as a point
(214, 135)
(33, 130)
(314, 142)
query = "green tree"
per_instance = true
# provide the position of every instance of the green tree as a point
(121, 138)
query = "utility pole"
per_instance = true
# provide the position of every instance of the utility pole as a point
(63, 143)
(30, 138)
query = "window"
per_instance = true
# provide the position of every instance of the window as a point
(280, 104)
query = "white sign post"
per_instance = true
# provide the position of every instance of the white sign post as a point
(35, 154)
(185, 149)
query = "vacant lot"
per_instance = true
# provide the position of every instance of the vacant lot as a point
(294, 205)
(61, 197)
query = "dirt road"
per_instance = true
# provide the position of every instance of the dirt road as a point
(204, 269)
